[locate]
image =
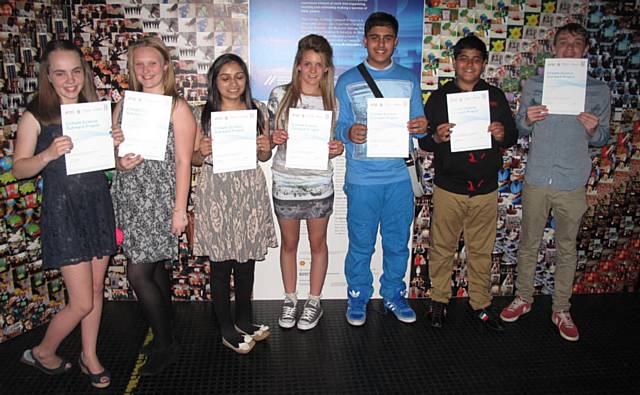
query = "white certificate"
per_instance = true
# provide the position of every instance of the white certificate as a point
(308, 144)
(89, 126)
(387, 133)
(470, 112)
(565, 85)
(234, 140)
(145, 124)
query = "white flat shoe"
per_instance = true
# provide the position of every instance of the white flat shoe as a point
(244, 347)
(259, 334)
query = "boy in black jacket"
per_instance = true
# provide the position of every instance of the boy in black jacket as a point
(465, 193)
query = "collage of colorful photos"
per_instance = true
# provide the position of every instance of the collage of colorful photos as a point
(195, 31)
(518, 34)
(29, 296)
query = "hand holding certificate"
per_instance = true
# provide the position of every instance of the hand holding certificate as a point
(89, 127)
(387, 133)
(469, 111)
(308, 144)
(145, 124)
(234, 140)
(565, 85)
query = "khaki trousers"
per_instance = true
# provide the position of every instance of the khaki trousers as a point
(475, 216)
(568, 208)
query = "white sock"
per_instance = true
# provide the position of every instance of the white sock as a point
(293, 296)
(315, 297)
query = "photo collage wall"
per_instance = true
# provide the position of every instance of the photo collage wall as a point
(29, 295)
(519, 35)
(196, 33)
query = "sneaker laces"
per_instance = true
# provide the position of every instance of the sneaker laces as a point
(309, 312)
(565, 319)
(517, 303)
(288, 310)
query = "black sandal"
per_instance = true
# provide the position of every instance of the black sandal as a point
(95, 378)
(29, 359)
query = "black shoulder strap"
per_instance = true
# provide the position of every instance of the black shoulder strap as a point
(367, 77)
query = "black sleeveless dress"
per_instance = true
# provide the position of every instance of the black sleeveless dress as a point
(76, 218)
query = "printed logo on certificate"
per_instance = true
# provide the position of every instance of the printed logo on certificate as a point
(565, 85)
(89, 127)
(145, 124)
(233, 135)
(309, 134)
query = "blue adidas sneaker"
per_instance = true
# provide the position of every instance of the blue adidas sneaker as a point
(400, 308)
(356, 308)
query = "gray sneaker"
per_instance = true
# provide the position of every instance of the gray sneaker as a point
(288, 316)
(310, 315)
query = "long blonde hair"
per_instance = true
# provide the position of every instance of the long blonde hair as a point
(45, 106)
(169, 77)
(291, 98)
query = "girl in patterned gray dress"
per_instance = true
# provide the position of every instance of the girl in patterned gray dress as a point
(233, 219)
(78, 230)
(150, 199)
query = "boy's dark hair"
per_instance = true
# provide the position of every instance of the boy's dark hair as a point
(574, 28)
(381, 19)
(470, 42)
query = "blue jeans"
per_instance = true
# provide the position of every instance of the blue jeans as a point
(391, 207)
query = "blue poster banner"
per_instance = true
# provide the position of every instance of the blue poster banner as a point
(275, 26)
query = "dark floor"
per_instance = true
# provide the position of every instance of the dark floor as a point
(384, 356)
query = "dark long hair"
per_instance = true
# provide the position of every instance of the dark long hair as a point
(214, 100)
(45, 106)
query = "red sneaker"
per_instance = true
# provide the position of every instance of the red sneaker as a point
(568, 330)
(517, 308)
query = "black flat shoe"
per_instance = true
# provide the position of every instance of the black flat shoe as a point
(159, 359)
(489, 319)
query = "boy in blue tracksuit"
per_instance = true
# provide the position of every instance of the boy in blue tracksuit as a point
(378, 190)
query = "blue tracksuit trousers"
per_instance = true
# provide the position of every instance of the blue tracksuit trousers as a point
(391, 207)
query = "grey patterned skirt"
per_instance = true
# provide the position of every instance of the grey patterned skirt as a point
(303, 209)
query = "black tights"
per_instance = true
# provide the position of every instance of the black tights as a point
(150, 281)
(243, 275)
